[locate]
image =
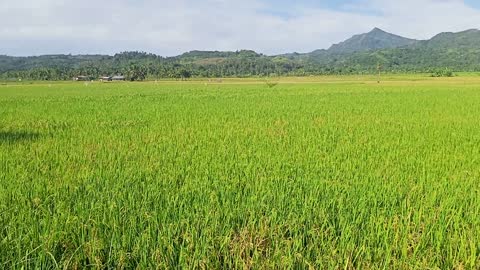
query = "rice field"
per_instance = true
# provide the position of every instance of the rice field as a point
(313, 173)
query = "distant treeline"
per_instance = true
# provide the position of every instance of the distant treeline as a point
(141, 66)
(376, 51)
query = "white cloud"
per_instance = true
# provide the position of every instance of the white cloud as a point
(425, 18)
(170, 27)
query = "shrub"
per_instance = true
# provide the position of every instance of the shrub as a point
(443, 73)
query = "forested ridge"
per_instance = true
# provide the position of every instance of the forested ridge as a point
(362, 54)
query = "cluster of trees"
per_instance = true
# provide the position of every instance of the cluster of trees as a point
(137, 66)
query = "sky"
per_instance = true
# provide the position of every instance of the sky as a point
(171, 27)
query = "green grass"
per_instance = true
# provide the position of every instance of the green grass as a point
(321, 173)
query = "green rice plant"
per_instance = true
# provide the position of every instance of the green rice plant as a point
(321, 173)
(271, 84)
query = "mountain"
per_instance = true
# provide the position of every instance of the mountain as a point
(465, 39)
(356, 55)
(373, 40)
(456, 51)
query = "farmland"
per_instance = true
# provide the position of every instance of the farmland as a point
(320, 172)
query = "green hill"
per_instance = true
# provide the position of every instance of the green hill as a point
(359, 54)
(373, 40)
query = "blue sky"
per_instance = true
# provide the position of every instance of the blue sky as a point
(473, 3)
(286, 5)
(170, 27)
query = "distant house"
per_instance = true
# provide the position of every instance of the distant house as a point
(118, 78)
(82, 78)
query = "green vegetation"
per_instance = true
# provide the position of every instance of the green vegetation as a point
(443, 73)
(358, 55)
(324, 173)
(376, 39)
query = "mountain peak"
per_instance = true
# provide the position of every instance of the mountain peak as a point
(373, 40)
(377, 30)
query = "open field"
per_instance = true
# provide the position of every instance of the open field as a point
(322, 172)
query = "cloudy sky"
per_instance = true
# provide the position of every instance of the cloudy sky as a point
(170, 27)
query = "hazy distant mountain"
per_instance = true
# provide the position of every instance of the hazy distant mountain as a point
(373, 40)
(217, 54)
(47, 61)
